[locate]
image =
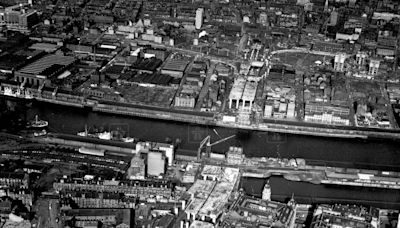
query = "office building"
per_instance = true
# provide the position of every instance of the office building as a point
(199, 18)
(373, 67)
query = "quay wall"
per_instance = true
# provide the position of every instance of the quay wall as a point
(210, 119)
(82, 143)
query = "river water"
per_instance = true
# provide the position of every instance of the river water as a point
(358, 153)
(308, 193)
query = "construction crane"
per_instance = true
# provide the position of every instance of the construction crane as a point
(207, 144)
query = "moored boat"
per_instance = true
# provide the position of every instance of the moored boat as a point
(37, 123)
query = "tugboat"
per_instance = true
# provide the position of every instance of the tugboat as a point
(86, 133)
(38, 123)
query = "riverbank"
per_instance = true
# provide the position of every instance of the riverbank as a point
(211, 119)
(323, 151)
(368, 153)
(293, 169)
(309, 193)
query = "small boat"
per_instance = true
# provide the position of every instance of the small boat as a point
(38, 123)
(128, 140)
(104, 135)
(82, 133)
(40, 133)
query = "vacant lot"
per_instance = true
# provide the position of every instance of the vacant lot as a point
(300, 60)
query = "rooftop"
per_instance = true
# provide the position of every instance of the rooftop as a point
(221, 193)
(201, 224)
(176, 65)
(122, 215)
(211, 170)
(47, 64)
(237, 89)
(249, 92)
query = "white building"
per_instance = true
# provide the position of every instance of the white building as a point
(373, 67)
(339, 62)
(360, 58)
(199, 18)
(155, 164)
(242, 94)
(146, 147)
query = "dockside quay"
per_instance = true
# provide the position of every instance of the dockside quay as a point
(194, 117)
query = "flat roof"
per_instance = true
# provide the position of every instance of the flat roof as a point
(201, 188)
(200, 191)
(44, 47)
(176, 65)
(220, 194)
(211, 170)
(237, 89)
(201, 224)
(249, 92)
(195, 205)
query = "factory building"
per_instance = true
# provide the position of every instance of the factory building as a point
(45, 69)
(18, 18)
(156, 164)
(242, 94)
(168, 149)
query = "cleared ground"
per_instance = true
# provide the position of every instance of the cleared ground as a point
(301, 61)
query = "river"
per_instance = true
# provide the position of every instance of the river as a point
(358, 153)
(371, 153)
(282, 190)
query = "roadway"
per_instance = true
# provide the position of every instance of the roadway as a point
(204, 90)
(47, 212)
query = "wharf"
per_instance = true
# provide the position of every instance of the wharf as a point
(60, 102)
(294, 169)
(327, 175)
(153, 113)
(212, 119)
(79, 141)
(297, 170)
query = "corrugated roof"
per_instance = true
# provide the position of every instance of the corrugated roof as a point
(46, 62)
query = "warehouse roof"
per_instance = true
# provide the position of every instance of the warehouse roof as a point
(47, 63)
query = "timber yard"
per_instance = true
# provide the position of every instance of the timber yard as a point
(82, 80)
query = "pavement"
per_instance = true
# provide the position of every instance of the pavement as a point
(47, 212)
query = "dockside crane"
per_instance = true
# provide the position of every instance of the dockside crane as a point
(207, 144)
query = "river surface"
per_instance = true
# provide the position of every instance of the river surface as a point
(282, 190)
(361, 153)
(358, 153)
